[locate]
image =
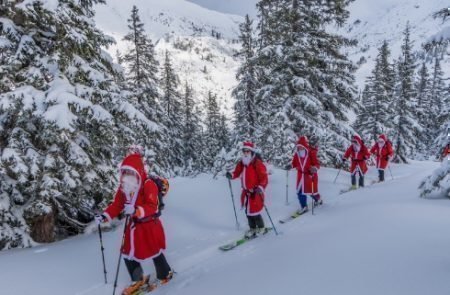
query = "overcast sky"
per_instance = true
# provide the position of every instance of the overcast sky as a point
(240, 7)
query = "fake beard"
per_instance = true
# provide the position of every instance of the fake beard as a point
(381, 144)
(130, 185)
(246, 159)
(356, 147)
(302, 153)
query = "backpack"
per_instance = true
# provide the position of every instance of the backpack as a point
(163, 188)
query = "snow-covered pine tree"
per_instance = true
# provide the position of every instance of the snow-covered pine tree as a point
(192, 134)
(424, 111)
(245, 107)
(63, 120)
(173, 110)
(406, 126)
(142, 84)
(372, 119)
(140, 59)
(212, 137)
(439, 181)
(307, 82)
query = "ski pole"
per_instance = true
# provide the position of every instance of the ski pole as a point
(337, 175)
(270, 218)
(120, 254)
(287, 187)
(312, 199)
(391, 172)
(103, 253)
(234, 207)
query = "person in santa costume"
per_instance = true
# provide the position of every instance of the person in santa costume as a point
(383, 152)
(358, 154)
(307, 164)
(254, 180)
(446, 151)
(137, 198)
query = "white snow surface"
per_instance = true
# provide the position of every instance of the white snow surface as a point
(382, 239)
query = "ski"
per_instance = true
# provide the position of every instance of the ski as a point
(293, 216)
(242, 240)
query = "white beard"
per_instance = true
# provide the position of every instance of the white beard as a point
(381, 145)
(130, 185)
(302, 153)
(356, 147)
(246, 160)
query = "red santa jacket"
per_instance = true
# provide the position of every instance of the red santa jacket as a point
(306, 181)
(358, 158)
(314, 150)
(252, 176)
(446, 151)
(382, 154)
(144, 234)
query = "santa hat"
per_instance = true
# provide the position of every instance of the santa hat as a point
(303, 141)
(358, 139)
(247, 145)
(134, 163)
(383, 137)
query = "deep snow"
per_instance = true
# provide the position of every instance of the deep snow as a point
(382, 239)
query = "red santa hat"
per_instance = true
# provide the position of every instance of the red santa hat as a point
(303, 142)
(357, 139)
(383, 137)
(247, 145)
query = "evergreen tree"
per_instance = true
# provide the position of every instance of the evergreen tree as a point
(192, 134)
(245, 108)
(63, 121)
(173, 110)
(306, 83)
(373, 117)
(407, 128)
(439, 180)
(140, 59)
(141, 76)
(213, 136)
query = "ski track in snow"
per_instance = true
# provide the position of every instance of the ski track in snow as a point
(382, 239)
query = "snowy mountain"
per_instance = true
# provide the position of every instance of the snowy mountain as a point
(172, 22)
(186, 30)
(372, 22)
(371, 241)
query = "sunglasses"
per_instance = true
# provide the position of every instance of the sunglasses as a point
(246, 151)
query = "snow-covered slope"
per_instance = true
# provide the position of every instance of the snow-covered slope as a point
(372, 22)
(382, 239)
(185, 29)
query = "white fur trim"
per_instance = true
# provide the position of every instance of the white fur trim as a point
(254, 214)
(129, 257)
(135, 195)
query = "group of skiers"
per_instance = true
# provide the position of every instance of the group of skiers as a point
(254, 179)
(138, 198)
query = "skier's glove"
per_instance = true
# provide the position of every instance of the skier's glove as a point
(258, 191)
(313, 170)
(100, 219)
(387, 159)
(129, 209)
(228, 175)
